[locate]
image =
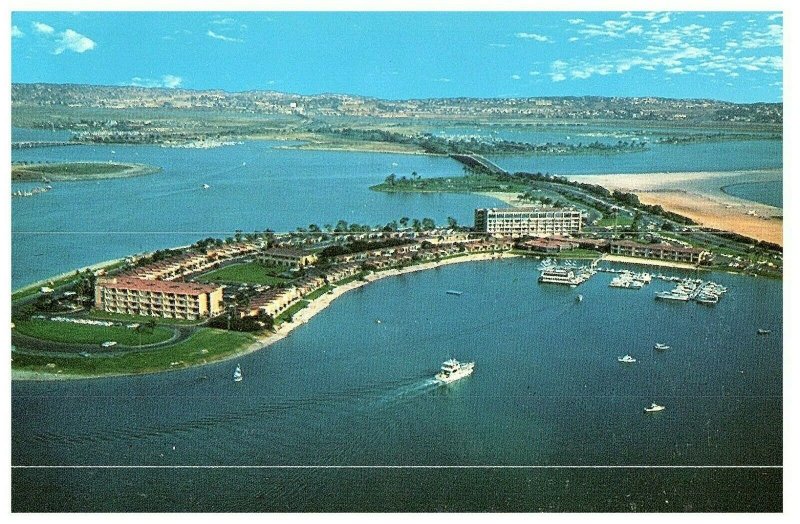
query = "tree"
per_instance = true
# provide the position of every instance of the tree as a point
(452, 223)
(391, 179)
(416, 225)
(314, 228)
(341, 225)
(404, 222)
(428, 223)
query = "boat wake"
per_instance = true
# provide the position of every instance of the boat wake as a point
(408, 392)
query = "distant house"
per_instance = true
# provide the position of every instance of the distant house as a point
(287, 257)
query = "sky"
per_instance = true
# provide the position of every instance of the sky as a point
(733, 56)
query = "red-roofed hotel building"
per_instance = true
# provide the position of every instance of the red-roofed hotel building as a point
(157, 298)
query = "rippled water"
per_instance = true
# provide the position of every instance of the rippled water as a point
(547, 391)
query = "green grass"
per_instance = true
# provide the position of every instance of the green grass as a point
(579, 253)
(622, 220)
(248, 273)
(69, 333)
(353, 278)
(206, 345)
(286, 315)
(104, 315)
(33, 289)
(318, 293)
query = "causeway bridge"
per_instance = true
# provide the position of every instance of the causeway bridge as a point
(473, 161)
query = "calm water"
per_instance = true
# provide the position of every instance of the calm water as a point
(711, 156)
(770, 193)
(547, 391)
(254, 186)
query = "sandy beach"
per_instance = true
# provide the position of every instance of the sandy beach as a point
(699, 196)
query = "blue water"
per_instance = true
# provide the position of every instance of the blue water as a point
(770, 193)
(254, 186)
(257, 185)
(667, 158)
(547, 391)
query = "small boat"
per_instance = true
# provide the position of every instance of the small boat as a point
(653, 408)
(764, 331)
(453, 370)
(660, 347)
(205, 186)
(454, 292)
(579, 298)
(237, 374)
(626, 359)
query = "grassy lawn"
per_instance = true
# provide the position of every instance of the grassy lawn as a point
(103, 315)
(283, 317)
(70, 333)
(248, 273)
(347, 280)
(579, 253)
(206, 345)
(318, 293)
(622, 220)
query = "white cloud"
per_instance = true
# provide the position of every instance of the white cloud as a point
(71, 40)
(498, 45)
(533, 36)
(515, 77)
(664, 19)
(576, 21)
(775, 16)
(557, 77)
(574, 39)
(635, 30)
(772, 37)
(16, 32)
(168, 81)
(224, 38)
(535, 73)
(45, 29)
(443, 79)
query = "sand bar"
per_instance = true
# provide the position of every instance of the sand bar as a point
(699, 196)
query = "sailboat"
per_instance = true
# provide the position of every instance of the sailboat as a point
(237, 375)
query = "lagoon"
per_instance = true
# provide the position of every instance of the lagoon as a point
(547, 391)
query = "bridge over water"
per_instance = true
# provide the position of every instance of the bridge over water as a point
(472, 160)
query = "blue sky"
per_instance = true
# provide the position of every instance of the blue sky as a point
(736, 56)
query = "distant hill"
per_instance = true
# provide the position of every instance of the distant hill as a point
(644, 109)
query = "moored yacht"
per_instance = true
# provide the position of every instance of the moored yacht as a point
(653, 408)
(660, 347)
(626, 359)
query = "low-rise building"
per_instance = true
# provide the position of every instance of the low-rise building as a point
(158, 298)
(661, 251)
(287, 257)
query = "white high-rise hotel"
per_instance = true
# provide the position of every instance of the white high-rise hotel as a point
(528, 221)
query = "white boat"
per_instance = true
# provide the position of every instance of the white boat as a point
(237, 374)
(205, 186)
(660, 347)
(764, 331)
(672, 295)
(579, 298)
(454, 292)
(653, 408)
(453, 370)
(626, 359)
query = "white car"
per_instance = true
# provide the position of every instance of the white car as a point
(109, 344)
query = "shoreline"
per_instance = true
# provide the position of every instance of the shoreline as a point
(129, 170)
(301, 317)
(699, 196)
(649, 262)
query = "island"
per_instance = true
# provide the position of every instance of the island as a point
(72, 171)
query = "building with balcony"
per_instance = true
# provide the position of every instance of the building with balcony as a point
(528, 221)
(158, 298)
